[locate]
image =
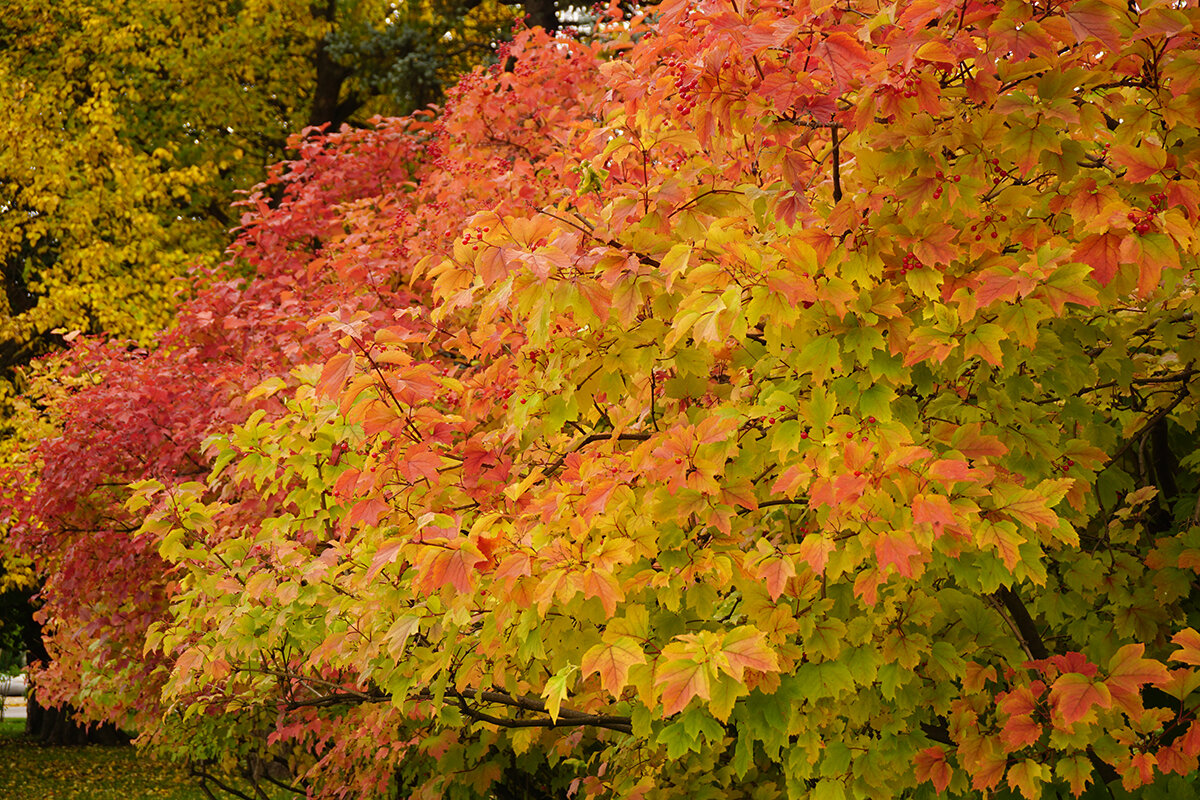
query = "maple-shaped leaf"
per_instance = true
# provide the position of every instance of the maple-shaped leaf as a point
(1027, 776)
(930, 765)
(1140, 771)
(775, 572)
(896, 549)
(1020, 730)
(1094, 19)
(746, 648)
(335, 374)
(1140, 163)
(1025, 506)
(845, 58)
(1101, 252)
(602, 585)
(612, 662)
(1076, 771)
(1189, 646)
(814, 549)
(1172, 759)
(1128, 672)
(681, 680)
(449, 566)
(384, 555)
(1074, 696)
(934, 509)
(556, 689)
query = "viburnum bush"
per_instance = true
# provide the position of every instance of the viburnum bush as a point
(770, 399)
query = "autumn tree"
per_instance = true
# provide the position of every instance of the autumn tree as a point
(764, 399)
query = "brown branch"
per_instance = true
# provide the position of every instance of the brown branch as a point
(1157, 417)
(567, 717)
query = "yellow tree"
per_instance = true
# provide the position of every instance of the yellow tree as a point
(130, 123)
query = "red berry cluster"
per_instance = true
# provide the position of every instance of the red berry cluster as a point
(1000, 175)
(988, 222)
(684, 85)
(477, 235)
(1143, 220)
(909, 81)
(910, 263)
(941, 176)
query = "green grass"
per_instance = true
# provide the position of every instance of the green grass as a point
(31, 772)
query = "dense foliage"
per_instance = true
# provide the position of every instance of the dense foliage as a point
(762, 399)
(132, 122)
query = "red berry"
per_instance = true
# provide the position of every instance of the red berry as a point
(849, 434)
(871, 420)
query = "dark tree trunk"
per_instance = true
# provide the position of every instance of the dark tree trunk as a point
(328, 105)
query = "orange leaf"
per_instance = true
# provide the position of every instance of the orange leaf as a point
(1101, 252)
(775, 572)
(930, 765)
(1020, 730)
(680, 681)
(746, 648)
(604, 586)
(612, 662)
(934, 509)
(1128, 671)
(1140, 162)
(1189, 643)
(1074, 696)
(335, 374)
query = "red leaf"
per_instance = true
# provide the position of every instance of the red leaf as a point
(930, 765)
(845, 58)
(896, 549)
(1019, 731)
(1094, 19)
(1101, 252)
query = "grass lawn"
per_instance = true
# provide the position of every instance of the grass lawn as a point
(30, 772)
